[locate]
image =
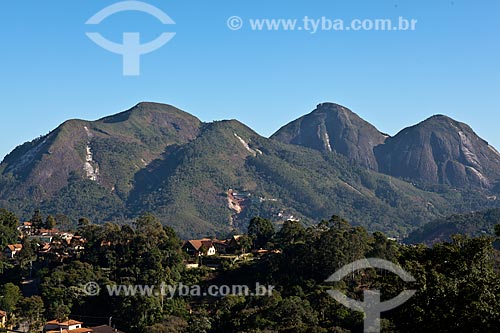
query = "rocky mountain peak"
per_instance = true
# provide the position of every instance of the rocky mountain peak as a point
(333, 127)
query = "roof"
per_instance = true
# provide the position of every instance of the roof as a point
(70, 322)
(78, 330)
(3, 314)
(48, 231)
(105, 329)
(15, 247)
(198, 243)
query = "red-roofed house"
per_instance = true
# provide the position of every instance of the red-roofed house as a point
(199, 247)
(69, 326)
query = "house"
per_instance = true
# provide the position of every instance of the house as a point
(76, 244)
(41, 238)
(69, 326)
(44, 248)
(220, 246)
(234, 244)
(12, 250)
(105, 329)
(199, 247)
(3, 319)
(26, 228)
(48, 232)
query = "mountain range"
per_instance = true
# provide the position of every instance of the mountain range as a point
(211, 178)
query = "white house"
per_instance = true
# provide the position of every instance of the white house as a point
(69, 326)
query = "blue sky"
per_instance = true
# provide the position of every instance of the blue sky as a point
(51, 72)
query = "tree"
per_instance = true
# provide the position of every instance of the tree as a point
(63, 222)
(27, 254)
(61, 288)
(83, 222)
(8, 228)
(171, 325)
(37, 220)
(200, 323)
(294, 314)
(261, 231)
(290, 233)
(50, 222)
(31, 310)
(457, 288)
(10, 294)
(61, 312)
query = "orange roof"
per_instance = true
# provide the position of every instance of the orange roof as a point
(198, 243)
(3, 314)
(49, 231)
(27, 224)
(70, 322)
(15, 247)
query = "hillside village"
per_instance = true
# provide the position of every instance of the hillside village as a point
(41, 242)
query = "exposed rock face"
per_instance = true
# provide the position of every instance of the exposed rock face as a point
(440, 150)
(156, 158)
(107, 151)
(332, 127)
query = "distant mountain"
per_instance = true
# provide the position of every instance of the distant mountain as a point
(440, 150)
(471, 224)
(332, 127)
(211, 178)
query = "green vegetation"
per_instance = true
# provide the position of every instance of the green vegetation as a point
(456, 281)
(155, 158)
(8, 228)
(473, 224)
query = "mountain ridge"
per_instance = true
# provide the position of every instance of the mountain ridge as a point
(332, 127)
(438, 150)
(155, 157)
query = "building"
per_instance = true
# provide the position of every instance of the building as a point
(69, 326)
(12, 250)
(199, 247)
(3, 319)
(210, 247)
(105, 329)
(220, 246)
(26, 228)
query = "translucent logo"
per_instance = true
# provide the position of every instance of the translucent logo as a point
(371, 305)
(131, 49)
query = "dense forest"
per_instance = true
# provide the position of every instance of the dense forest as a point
(457, 282)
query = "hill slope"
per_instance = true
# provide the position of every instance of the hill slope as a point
(211, 178)
(472, 224)
(440, 150)
(332, 127)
